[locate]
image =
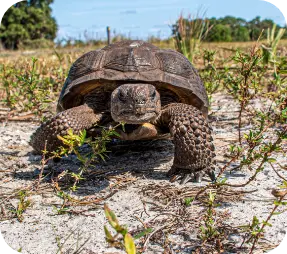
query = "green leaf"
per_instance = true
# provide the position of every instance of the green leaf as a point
(222, 180)
(123, 126)
(254, 233)
(277, 203)
(266, 223)
(112, 132)
(129, 244)
(245, 136)
(211, 196)
(271, 160)
(121, 230)
(259, 169)
(111, 217)
(143, 233)
(277, 213)
(108, 235)
(188, 200)
(284, 184)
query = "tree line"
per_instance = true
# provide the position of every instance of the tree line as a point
(31, 22)
(226, 29)
(28, 22)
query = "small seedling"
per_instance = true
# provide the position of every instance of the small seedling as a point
(23, 204)
(188, 200)
(209, 231)
(127, 243)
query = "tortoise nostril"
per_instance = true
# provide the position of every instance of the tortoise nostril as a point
(140, 100)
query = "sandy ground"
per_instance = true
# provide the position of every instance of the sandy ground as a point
(132, 182)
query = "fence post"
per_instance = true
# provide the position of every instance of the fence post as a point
(109, 35)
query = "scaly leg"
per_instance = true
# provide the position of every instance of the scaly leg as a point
(194, 150)
(77, 119)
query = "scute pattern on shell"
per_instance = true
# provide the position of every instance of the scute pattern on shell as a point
(134, 61)
(84, 65)
(175, 63)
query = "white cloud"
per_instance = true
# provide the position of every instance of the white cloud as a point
(127, 12)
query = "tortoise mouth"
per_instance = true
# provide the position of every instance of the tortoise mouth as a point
(137, 112)
(131, 117)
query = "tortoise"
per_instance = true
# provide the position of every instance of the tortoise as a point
(154, 91)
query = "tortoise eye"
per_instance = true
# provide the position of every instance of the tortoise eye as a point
(153, 94)
(122, 96)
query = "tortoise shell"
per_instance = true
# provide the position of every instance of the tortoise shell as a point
(133, 61)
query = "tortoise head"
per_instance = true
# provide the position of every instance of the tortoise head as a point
(135, 103)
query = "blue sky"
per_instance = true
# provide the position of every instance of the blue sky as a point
(143, 18)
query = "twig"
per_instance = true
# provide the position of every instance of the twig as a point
(140, 220)
(277, 172)
(43, 162)
(155, 231)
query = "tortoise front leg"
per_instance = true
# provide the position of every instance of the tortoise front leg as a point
(77, 119)
(194, 150)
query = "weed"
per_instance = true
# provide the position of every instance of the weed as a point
(209, 231)
(270, 49)
(76, 247)
(213, 78)
(23, 204)
(255, 230)
(25, 92)
(188, 200)
(127, 243)
(189, 33)
(73, 142)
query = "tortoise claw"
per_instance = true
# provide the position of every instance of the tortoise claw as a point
(186, 178)
(183, 177)
(198, 176)
(212, 176)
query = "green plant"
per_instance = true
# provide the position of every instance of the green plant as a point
(23, 204)
(188, 200)
(72, 142)
(66, 198)
(258, 150)
(209, 230)
(189, 33)
(255, 230)
(9, 86)
(127, 243)
(270, 49)
(74, 248)
(26, 90)
(36, 97)
(212, 77)
(245, 85)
